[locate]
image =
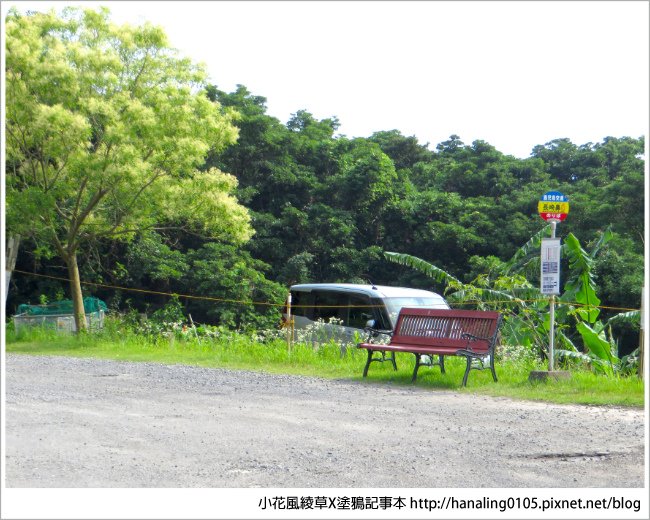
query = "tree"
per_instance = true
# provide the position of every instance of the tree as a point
(404, 151)
(560, 156)
(364, 183)
(105, 129)
(236, 282)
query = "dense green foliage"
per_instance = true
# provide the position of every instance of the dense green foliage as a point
(325, 207)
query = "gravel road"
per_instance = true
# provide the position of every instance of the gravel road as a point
(93, 423)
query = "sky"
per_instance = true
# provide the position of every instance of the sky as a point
(514, 74)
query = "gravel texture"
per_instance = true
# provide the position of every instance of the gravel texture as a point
(93, 423)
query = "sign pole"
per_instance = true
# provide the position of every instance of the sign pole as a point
(551, 343)
(289, 324)
(553, 207)
(644, 294)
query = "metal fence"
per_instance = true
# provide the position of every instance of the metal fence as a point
(59, 322)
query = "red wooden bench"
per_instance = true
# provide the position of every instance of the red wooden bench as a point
(440, 332)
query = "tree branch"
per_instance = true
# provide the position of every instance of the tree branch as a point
(78, 221)
(137, 76)
(82, 187)
(118, 223)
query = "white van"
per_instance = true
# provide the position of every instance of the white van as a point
(351, 306)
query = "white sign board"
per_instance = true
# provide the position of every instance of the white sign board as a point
(550, 271)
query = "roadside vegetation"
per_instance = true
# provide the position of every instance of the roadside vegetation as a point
(313, 355)
(138, 177)
(581, 333)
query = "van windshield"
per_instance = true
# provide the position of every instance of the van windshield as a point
(394, 305)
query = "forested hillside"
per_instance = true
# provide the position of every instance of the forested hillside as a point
(324, 207)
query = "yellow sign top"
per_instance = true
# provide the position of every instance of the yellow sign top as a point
(552, 207)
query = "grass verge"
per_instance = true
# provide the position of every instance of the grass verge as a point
(242, 352)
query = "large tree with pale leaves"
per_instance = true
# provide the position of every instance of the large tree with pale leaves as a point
(106, 126)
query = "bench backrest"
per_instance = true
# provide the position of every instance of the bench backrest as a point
(445, 327)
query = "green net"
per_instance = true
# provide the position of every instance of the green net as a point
(91, 304)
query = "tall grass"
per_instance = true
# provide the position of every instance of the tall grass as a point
(269, 353)
(226, 349)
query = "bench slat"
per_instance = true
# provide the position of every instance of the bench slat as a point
(412, 349)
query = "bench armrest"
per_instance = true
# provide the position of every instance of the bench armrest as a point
(472, 337)
(373, 333)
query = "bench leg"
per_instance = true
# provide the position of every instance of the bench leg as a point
(469, 367)
(442, 364)
(494, 374)
(415, 370)
(365, 369)
(382, 359)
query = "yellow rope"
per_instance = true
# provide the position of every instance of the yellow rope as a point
(242, 302)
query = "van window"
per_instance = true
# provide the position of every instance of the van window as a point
(353, 310)
(359, 312)
(329, 305)
(382, 318)
(302, 304)
(395, 304)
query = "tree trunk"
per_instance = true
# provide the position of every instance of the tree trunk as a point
(75, 290)
(641, 338)
(11, 253)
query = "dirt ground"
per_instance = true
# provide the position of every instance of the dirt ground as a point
(93, 423)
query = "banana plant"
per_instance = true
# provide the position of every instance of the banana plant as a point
(580, 286)
(525, 309)
(582, 303)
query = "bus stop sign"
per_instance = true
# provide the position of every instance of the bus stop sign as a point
(553, 206)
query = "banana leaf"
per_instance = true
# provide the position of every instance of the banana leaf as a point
(525, 252)
(631, 317)
(564, 339)
(598, 364)
(481, 295)
(598, 346)
(581, 287)
(424, 267)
